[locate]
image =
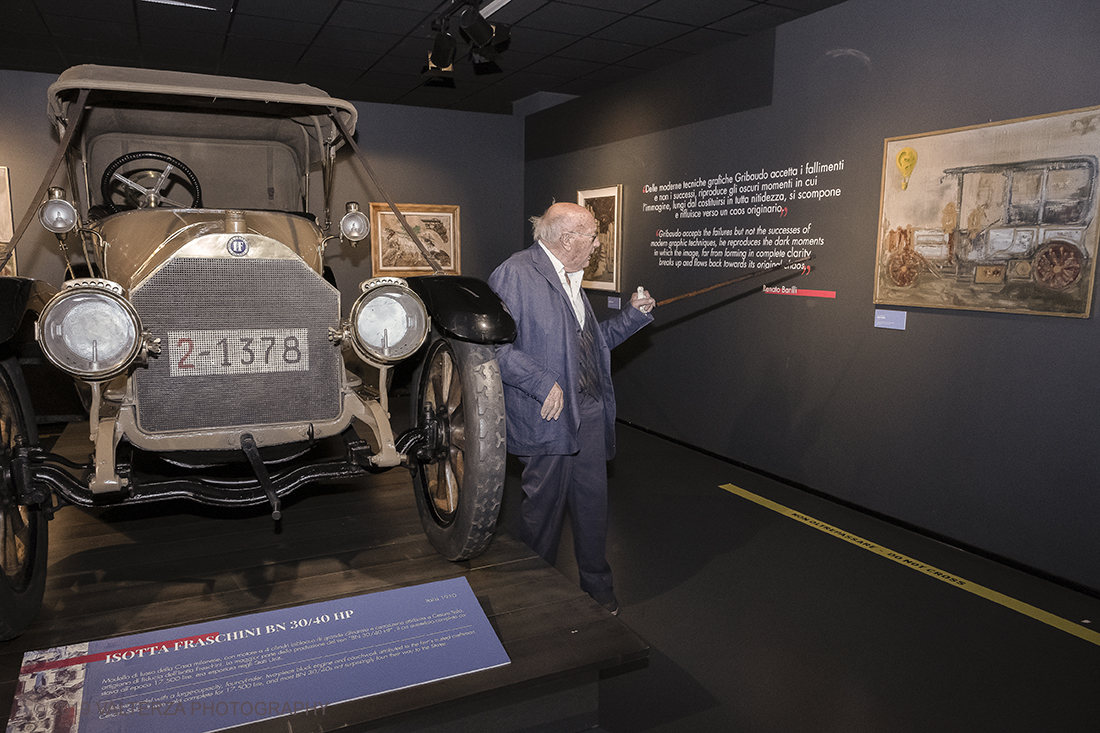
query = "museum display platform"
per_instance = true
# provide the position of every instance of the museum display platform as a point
(125, 570)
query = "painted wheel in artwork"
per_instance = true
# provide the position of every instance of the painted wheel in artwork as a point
(1059, 265)
(904, 267)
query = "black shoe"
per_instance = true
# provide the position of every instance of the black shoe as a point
(607, 599)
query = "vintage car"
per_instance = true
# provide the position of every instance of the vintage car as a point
(209, 345)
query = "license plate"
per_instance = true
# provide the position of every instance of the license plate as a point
(245, 351)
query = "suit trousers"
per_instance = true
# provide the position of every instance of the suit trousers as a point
(577, 483)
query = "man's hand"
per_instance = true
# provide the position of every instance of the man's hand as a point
(551, 406)
(642, 301)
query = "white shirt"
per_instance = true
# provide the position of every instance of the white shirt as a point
(571, 281)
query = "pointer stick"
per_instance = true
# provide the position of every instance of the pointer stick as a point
(756, 273)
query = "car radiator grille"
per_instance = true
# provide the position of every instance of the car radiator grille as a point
(192, 298)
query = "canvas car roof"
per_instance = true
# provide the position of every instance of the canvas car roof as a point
(185, 105)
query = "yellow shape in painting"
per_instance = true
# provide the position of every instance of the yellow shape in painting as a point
(906, 161)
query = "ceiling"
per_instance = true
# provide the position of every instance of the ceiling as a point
(376, 50)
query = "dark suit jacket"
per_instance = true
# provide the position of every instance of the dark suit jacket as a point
(545, 352)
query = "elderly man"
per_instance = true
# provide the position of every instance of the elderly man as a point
(558, 395)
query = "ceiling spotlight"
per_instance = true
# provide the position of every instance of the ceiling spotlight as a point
(443, 52)
(477, 29)
(484, 58)
(486, 40)
(439, 76)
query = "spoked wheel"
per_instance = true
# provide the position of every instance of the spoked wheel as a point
(904, 267)
(1059, 265)
(23, 534)
(459, 399)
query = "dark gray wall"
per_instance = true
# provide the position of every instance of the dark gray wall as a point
(976, 426)
(677, 94)
(432, 156)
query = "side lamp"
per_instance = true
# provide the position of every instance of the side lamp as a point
(56, 214)
(354, 226)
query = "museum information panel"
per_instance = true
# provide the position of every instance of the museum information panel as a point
(292, 661)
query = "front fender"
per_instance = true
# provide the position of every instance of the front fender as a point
(465, 308)
(18, 297)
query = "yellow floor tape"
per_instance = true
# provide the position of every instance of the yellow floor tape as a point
(1019, 606)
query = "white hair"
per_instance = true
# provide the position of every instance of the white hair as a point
(552, 225)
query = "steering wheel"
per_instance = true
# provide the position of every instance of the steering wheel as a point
(150, 195)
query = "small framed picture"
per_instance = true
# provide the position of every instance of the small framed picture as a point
(604, 272)
(393, 252)
(6, 226)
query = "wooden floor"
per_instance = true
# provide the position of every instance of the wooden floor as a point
(131, 569)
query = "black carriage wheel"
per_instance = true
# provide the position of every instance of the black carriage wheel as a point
(459, 492)
(109, 179)
(23, 533)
